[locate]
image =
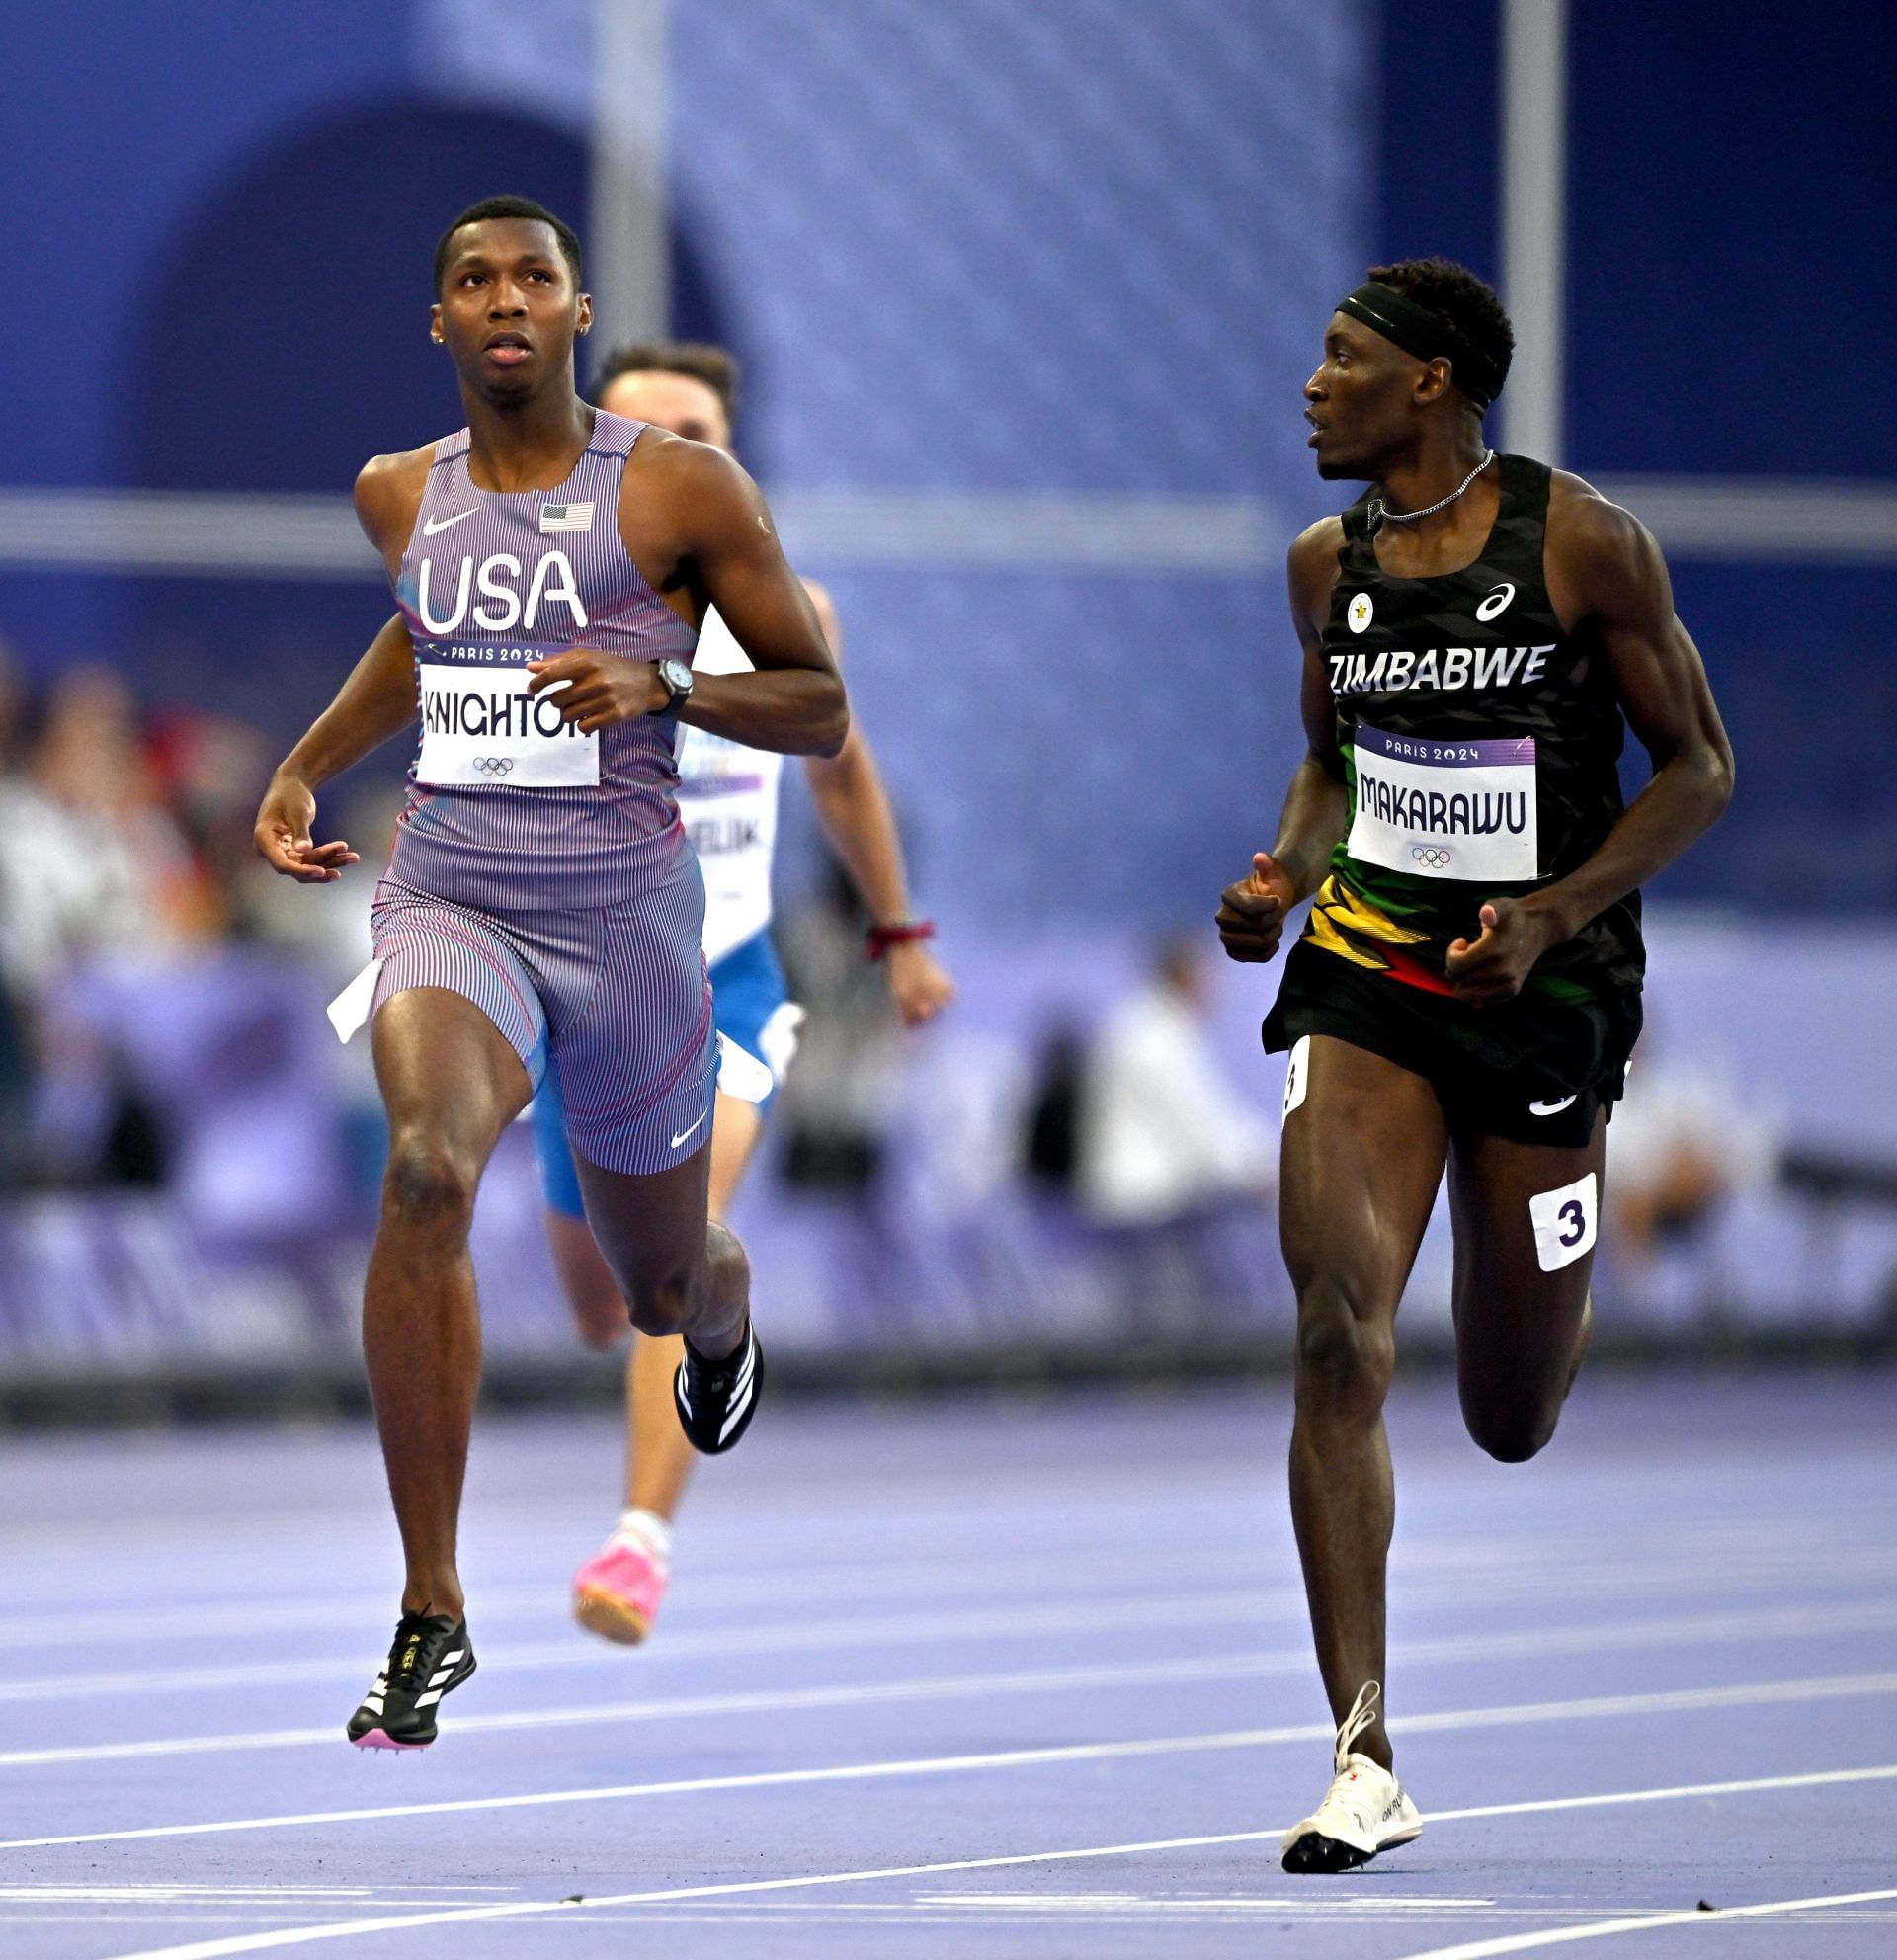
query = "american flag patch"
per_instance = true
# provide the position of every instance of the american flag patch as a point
(566, 517)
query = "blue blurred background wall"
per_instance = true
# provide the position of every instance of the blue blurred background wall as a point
(1091, 258)
(1025, 296)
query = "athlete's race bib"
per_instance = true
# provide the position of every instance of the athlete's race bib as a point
(1440, 809)
(481, 728)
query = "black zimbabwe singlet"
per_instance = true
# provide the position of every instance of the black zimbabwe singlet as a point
(1481, 746)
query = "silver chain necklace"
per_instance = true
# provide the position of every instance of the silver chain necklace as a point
(1379, 510)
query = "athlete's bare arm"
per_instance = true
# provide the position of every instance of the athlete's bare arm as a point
(1252, 912)
(853, 807)
(1604, 572)
(378, 701)
(696, 527)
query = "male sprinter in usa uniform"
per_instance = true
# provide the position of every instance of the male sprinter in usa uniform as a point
(728, 800)
(543, 906)
(1478, 631)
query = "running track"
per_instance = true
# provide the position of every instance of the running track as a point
(967, 1681)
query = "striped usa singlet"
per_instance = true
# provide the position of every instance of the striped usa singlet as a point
(508, 807)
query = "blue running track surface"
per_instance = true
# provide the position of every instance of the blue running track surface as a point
(968, 1679)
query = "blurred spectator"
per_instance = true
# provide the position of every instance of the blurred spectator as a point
(95, 863)
(836, 1099)
(1163, 1135)
(1684, 1144)
(1051, 1158)
(102, 869)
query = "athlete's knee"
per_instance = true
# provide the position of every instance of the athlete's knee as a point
(671, 1298)
(663, 1302)
(728, 1269)
(429, 1185)
(1510, 1431)
(1346, 1351)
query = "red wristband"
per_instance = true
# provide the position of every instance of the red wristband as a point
(879, 938)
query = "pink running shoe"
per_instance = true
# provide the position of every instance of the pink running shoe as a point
(617, 1592)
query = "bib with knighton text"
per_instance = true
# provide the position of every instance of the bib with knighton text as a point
(1445, 809)
(482, 729)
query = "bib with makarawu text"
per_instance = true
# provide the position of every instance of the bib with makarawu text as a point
(1445, 809)
(481, 729)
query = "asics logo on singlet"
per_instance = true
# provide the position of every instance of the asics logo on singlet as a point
(442, 523)
(493, 765)
(498, 580)
(1432, 855)
(1496, 603)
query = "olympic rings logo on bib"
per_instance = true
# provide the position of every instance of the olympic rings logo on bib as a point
(1432, 856)
(493, 765)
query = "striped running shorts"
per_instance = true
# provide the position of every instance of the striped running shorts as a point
(615, 997)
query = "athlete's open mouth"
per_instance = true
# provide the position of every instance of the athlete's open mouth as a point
(1317, 428)
(507, 348)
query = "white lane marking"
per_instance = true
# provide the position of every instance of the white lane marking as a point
(1750, 1694)
(1694, 1629)
(1510, 1568)
(1617, 1579)
(1528, 1942)
(222, 1949)
(1368, 1903)
(1808, 1780)
(727, 1587)
(879, 1630)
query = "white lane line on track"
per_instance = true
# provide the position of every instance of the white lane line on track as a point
(1529, 1942)
(1764, 1551)
(1620, 1636)
(225, 1948)
(878, 1630)
(1614, 1582)
(723, 1588)
(1748, 1694)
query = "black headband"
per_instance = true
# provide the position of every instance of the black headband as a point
(1427, 335)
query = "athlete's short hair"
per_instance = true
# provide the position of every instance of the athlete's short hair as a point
(1468, 304)
(512, 208)
(698, 359)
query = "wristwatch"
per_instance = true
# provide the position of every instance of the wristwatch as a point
(676, 678)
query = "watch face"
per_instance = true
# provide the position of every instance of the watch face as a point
(677, 676)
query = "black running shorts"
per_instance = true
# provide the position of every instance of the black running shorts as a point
(1532, 1070)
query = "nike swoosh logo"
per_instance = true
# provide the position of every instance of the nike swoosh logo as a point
(1549, 1108)
(682, 1134)
(442, 523)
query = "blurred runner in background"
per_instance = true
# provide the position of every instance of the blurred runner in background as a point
(728, 799)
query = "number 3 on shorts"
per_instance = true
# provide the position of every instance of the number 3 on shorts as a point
(1565, 1222)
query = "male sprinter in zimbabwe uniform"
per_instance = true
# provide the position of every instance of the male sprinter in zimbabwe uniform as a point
(542, 907)
(1477, 631)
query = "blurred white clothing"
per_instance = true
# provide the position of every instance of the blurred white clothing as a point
(1163, 1133)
